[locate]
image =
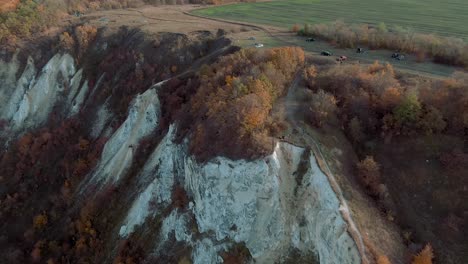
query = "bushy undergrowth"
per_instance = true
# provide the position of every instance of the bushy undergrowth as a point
(373, 101)
(446, 50)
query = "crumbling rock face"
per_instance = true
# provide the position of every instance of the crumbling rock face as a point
(29, 101)
(117, 156)
(273, 205)
(257, 202)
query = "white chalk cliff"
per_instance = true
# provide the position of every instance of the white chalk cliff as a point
(273, 205)
(256, 202)
(28, 101)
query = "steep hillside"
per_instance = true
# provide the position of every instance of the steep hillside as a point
(107, 155)
(136, 144)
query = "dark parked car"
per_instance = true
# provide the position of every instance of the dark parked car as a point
(398, 56)
(360, 50)
(310, 40)
(325, 53)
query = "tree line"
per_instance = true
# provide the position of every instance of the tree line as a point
(445, 50)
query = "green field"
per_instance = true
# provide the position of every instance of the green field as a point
(449, 17)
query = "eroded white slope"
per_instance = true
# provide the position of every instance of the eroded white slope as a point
(257, 202)
(8, 71)
(118, 153)
(158, 175)
(29, 100)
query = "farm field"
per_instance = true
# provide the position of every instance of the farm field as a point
(447, 18)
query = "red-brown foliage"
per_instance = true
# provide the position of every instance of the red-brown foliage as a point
(128, 253)
(228, 113)
(43, 169)
(454, 160)
(369, 174)
(387, 105)
(425, 256)
(8, 5)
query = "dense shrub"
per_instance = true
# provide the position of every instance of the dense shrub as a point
(369, 174)
(322, 105)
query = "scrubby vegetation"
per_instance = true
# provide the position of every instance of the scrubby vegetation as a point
(229, 113)
(409, 133)
(447, 50)
(373, 101)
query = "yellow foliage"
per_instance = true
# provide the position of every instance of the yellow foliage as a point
(83, 144)
(184, 260)
(40, 221)
(229, 79)
(383, 260)
(85, 34)
(390, 97)
(295, 28)
(425, 256)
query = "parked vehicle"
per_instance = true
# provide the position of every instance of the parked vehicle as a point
(310, 40)
(360, 50)
(341, 58)
(326, 53)
(398, 56)
(258, 45)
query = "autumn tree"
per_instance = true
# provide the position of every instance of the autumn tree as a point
(295, 28)
(85, 34)
(369, 174)
(355, 130)
(408, 112)
(322, 105)
(425, 256)
(432, 121)
(390, 98)
(66, 41)
(383, 260)
(310, 73)
(40, 221)
(229, 111)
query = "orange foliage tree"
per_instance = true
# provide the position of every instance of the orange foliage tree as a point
(425, 256)
(383, 260)
(369, 174)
